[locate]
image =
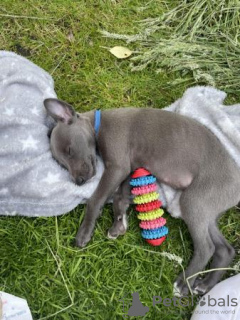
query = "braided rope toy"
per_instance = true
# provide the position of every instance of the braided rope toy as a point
(152, 223)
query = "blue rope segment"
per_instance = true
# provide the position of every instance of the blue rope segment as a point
(97, 121)
(138, 182)
(155, 233)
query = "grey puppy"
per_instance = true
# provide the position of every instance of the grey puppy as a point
(179, 151)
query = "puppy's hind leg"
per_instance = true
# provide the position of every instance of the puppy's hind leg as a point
(121, 201)
(223, 256)
(203, 251)
(197, 216)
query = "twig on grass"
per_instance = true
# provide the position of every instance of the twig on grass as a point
(52, 72)
(65, 284)
(23, 17)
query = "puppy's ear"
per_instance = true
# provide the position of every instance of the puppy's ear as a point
(60, 110)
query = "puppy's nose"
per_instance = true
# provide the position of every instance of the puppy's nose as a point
(80, 181)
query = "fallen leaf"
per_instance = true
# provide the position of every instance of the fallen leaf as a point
(121, 52)
(70, 36)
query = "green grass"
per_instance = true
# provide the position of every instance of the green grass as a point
(198, 40)
(38, 260)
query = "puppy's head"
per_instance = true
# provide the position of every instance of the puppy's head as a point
(72, 140)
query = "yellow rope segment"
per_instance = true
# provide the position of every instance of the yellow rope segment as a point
(150, 215)
(145, 198)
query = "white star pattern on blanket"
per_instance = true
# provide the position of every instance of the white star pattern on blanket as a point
(51, 178)
(29, 143)
(35, 111)
(9, 112)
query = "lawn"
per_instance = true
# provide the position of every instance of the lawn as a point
(38, 260)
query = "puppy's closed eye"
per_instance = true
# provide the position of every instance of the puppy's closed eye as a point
(70, 152)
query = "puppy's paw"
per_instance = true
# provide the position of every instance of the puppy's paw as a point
(113, 233)
(180, 290)
(118, 229)
(83, 237)
(180, 287)
(82, 241)
(176, 290)
(111, 236)
(200, 290)
(200, 287)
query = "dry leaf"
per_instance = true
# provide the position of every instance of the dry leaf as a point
(121, 52)
(70, 36)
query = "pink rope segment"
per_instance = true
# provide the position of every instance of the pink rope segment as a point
(144, 189)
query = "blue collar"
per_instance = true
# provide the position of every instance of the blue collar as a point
(97, 121)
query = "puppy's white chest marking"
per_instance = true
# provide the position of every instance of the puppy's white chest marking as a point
(124, 221)
(174, 208)
(172, 201)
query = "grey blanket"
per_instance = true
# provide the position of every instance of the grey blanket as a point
(31, 181)
(205, 104)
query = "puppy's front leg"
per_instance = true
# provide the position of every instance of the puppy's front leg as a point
(121, 202)
(111, 179)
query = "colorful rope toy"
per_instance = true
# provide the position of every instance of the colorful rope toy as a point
(149, 207)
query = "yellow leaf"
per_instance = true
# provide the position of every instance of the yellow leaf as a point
(121, 52)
